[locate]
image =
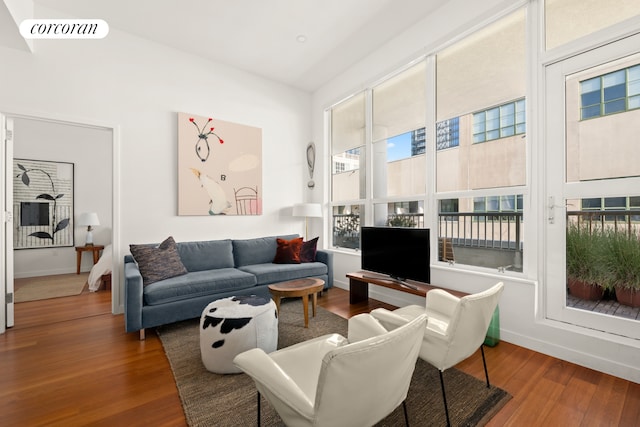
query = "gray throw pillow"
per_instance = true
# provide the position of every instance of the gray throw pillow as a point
(158, 262)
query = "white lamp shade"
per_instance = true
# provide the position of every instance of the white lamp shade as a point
(88, 219)
(309, 210)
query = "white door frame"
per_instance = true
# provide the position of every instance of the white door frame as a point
(6, 230)
(5, 181)
(558, 191)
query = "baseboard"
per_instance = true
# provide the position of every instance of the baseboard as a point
(39, 273)
(608, 366)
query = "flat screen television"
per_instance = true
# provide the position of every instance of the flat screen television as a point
(400, 253)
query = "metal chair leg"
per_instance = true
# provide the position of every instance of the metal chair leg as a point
(406, 415)
(444, 398)
(484, 363)
(258, 409)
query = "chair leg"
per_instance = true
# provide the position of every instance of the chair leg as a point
(258, 409)
(484, 363)
(406, 415)
(444, 398)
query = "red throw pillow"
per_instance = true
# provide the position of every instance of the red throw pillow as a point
(288, 251)
(308, 251)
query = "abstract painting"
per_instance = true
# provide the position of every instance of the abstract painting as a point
(42, 204)
(219, 167)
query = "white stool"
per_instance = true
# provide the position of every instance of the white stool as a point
(232, 325)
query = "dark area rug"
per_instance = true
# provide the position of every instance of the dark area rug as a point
(211, 399)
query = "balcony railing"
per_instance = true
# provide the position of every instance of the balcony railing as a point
(627, 221)
(495, 230)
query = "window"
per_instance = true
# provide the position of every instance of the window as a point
(499, 122)
(481, 87)
(399, 135)
(610, 93)
(397, 149)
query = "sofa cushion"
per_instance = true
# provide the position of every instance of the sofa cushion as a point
(197, 284)
(256, 251)
(206, 255)
(308, 250)
(158, 262)
(288, 251)
(272, 273)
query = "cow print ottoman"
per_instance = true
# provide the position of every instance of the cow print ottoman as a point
(232, 325)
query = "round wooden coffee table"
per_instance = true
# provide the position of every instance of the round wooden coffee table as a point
(298, 288)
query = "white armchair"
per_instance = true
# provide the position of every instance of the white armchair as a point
(335, 381)
(456, 327)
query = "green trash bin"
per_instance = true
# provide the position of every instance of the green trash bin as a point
(493, 333)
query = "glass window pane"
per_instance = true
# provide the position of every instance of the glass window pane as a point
(399, 103)
(347, 124)
(633, 88)
(347, 180)
(568, 20)
(494, 134)
(634, 102)
(590, 98)
(590, 112)
(614, 106)
(493, 124)
(507, 203)
(475, 91)
(614, 92)
(346, 226)
(493, 204)
(615, 203)
(475, 234)
(507, 131)
(614, 79)
(398, 171)
(591, 85)
(593, 203)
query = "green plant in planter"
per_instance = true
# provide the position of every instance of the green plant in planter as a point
(400, 221)
(586, 270)
(623, 263)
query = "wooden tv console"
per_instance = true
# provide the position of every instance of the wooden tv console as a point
(359, 286)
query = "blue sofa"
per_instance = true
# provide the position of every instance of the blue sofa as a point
(215, 269)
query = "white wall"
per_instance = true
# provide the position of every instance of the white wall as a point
(138, 87)
(89, 149)
(522, 305)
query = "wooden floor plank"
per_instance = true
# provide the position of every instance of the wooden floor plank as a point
(69, 362)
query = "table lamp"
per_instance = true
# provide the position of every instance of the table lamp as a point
(89, 219)
(307, 210)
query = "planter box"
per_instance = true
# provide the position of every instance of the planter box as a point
(628, 296)
(585, 291)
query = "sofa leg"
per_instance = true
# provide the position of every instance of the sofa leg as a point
(142, 336)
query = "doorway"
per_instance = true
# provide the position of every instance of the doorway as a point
(90, 148)
(592, 174)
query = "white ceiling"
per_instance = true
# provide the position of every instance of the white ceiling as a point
(260, 36)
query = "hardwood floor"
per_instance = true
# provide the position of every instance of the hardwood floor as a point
(69, 362)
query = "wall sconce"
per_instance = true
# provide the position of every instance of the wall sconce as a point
(89, 219)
